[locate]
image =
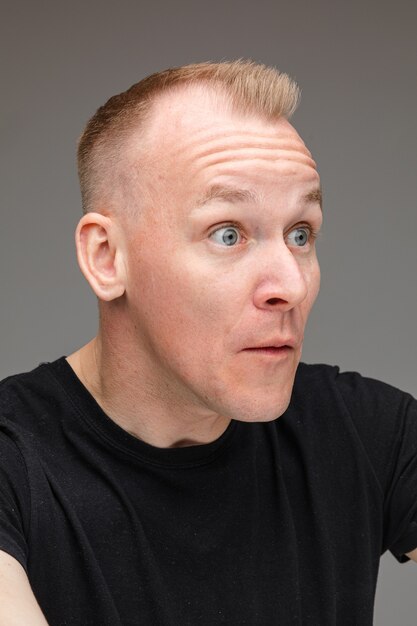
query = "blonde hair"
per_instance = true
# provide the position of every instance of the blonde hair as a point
(251, 87)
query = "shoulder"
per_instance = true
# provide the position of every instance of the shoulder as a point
(374, 407)
(381, 418)
(26, 393)
(356, 390)
(27, 380)
(26, 404)
(29, 404)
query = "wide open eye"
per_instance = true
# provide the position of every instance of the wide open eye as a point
(299, 237)
(226, 235)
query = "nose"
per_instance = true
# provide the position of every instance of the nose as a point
(282, 282)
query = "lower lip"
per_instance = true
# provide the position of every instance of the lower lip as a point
(270, 352)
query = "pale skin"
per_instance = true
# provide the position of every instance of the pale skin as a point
(18, 605)
(179, 307)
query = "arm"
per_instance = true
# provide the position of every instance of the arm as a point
(18, 605)
(412, 555)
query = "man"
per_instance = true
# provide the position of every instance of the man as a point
(183, 467)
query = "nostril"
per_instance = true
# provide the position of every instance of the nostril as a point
(274, 300)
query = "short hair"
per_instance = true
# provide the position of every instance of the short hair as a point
(252, 88)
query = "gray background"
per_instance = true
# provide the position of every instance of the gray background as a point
(356, 64)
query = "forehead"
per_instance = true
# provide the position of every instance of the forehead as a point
(195, 135)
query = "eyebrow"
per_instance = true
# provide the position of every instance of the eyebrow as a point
(234, 195)
(315, 197)
(227, 193)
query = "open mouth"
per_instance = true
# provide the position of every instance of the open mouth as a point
(272, 350)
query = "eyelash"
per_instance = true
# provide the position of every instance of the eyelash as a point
(226, 225)
(313, 233)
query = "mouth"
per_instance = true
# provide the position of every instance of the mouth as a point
(271, 351)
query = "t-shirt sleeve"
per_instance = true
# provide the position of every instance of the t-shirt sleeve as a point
(386, 421)
(14, 500)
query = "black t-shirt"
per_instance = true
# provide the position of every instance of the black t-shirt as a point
(274, 523)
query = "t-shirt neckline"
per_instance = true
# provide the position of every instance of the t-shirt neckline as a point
(116, 436)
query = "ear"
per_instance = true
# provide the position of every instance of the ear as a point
(100, 255)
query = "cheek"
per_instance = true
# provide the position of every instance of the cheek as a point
(312, 277)
(177, 303)
(315, 277)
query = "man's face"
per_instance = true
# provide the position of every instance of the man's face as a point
(222, 267)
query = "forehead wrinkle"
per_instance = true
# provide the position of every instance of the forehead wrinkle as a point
(254, 154)
(205, 142)
(206, 137)
(209, 130)
(218, 148)
(208, 133)
(213, 148)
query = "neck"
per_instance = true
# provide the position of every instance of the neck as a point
(139, 399)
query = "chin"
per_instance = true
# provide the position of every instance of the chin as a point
(250, 410)
(248, 396)
(261, 393)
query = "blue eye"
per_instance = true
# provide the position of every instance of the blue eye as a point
(226, 235)
(299, 237)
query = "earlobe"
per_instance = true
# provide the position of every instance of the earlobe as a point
(100, 255)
